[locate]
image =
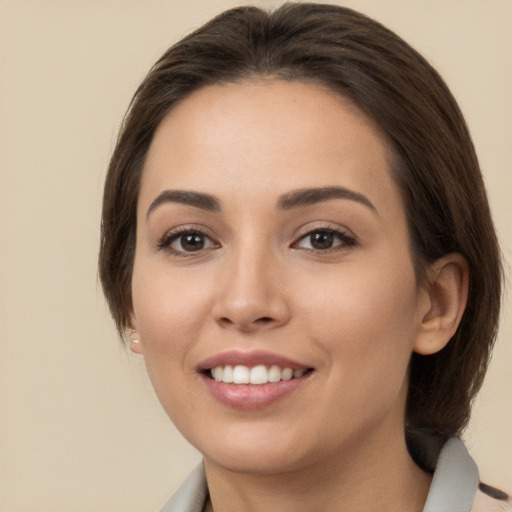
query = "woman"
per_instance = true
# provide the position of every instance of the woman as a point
(296, 232)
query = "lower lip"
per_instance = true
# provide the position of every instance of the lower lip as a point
(253, 396)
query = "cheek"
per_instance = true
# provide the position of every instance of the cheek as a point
(365, 323)
(166, 302)
(169, 311)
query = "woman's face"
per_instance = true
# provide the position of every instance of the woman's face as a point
(271, 236)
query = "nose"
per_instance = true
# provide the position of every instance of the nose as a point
(252, 296)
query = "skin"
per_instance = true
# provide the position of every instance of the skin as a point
(354, 313)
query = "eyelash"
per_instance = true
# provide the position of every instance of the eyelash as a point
(165, 243)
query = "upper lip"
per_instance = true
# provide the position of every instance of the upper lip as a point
(253, 358)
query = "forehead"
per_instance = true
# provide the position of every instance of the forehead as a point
(269, 135)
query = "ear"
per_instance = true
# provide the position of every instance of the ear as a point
(446, 294)
(135, 343)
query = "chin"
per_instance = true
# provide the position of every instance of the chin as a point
(257, 462)
(260, 451)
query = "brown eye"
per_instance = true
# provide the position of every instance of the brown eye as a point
(190, 242)
(186, 242)
(321, 240)
(324, 240)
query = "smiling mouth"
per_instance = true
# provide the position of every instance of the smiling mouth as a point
(255, 375)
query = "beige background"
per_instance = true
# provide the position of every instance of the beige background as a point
(80, 429)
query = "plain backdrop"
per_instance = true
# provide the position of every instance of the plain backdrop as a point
(80, 428)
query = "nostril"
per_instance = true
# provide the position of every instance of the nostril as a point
(264, 320)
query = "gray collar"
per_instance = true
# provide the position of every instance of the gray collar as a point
(191, 494)
(455, 480)
(453, 487)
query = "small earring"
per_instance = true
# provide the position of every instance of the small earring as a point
(135, 341)
(136, 347)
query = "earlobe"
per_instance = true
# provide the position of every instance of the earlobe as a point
(135, 344)
(447, 292)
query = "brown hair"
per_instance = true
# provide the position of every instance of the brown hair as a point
(435, 164)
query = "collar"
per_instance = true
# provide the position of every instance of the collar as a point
(455, 480)
(191, 495)
(453, 488)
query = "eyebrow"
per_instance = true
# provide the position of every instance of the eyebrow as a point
(308, 196)
(196, 199)
(289, 201)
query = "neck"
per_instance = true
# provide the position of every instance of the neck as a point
(375, 476)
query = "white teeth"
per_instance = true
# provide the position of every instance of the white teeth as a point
(241, 375)
(287, 374)
(256, 375)
(274, 374)
(259, 375)
(227, 375)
